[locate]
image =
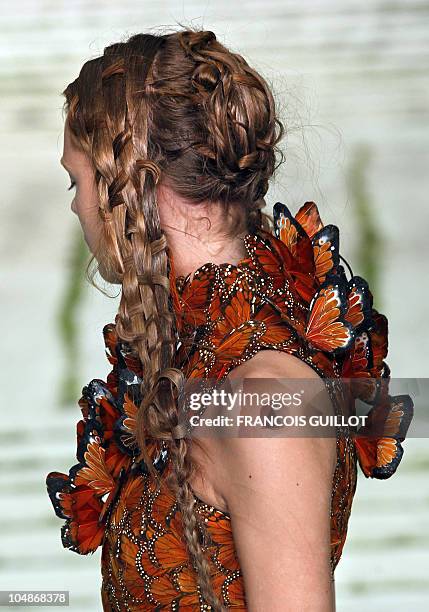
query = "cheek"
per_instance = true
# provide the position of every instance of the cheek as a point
(85, 201)
(85, 205)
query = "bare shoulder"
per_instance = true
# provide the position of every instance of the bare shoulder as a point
(267, 463)
(264, 459)
(278, 493)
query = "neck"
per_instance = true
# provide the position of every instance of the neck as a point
(201, 233)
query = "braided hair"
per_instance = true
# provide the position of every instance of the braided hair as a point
(183, 109)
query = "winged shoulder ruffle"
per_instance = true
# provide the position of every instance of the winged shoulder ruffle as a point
(342, 321)
(85, 496)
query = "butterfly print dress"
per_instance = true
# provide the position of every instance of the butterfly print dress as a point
(290, 293)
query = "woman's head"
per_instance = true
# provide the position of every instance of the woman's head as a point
(179, 112)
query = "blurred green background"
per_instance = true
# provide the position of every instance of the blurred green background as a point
(352, 84)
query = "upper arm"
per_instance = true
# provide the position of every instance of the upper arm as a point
(278, 493)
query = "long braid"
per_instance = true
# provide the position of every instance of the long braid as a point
(218, 144)
(144, 318)
(167, 413)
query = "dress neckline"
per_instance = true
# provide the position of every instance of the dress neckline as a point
(184, 280)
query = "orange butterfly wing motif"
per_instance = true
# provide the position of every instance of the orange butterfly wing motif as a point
(326, 251)
(238, 307)
(325, 240)
(110, 341)
(309, 219)
(324, 363)
(359, 302)
(199, 364)
(196, 296)
(163, 506)
(236, 597)
(379, 343)
(299, 253)
(233, 345)
(294, 237)
(78, 496)
(129, 420)
(163, 591)
(130, 553)
(82, 508)
(288, 231)
(273, 260)
(187, 582)
(95, 473)
(378, 442)
(360, 355)
(219, 528)
(170, 548)
(365, 364)
(236, 329)
(277, 332)
(327, 328)
(356, 367)
(132, 492)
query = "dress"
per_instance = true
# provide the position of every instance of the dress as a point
(291, 293)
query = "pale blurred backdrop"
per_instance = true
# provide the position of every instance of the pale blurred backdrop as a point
(352, 84)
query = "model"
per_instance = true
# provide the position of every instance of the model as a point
(170, 142)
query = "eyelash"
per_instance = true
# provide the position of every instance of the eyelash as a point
(72, 185)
